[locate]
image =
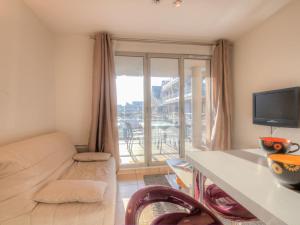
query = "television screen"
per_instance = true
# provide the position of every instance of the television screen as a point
(277, 108)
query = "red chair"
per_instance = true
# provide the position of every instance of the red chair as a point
(196, 213)
(219, 201)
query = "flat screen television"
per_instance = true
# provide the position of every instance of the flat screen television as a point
(278, 108)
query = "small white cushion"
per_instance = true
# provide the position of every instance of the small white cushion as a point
(64, 191)
(91, 156)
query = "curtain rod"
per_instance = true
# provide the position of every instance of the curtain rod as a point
(158, 41)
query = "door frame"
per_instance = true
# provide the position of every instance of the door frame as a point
(147, 100)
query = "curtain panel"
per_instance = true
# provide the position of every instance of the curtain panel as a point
(104, 130)
(221, 96)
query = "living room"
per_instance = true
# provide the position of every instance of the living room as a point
(112, 98)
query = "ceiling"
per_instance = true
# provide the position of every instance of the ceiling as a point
(195, 20)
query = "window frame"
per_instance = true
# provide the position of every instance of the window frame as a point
(147, 100)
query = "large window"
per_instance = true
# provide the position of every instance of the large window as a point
(130, 100)
(197, 103)
(163, 106)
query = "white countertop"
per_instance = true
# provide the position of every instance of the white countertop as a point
(249, 181)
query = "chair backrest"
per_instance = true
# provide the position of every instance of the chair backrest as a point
(196, 213)
(129, 130)
(26, 166)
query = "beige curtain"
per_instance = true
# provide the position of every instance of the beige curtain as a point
(221, 96)
(104, 131)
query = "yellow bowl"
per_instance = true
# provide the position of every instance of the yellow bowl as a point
(286, 168)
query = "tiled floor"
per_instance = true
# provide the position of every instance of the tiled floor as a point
(129, 181)
(127, 185)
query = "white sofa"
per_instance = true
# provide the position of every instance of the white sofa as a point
(28, 165)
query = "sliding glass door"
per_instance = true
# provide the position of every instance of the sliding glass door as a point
(196, 103)
(130, 100)
(163, 106)
(165, 122)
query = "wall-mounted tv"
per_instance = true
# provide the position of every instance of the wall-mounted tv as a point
(278, 108)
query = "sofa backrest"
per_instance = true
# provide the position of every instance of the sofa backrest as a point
(26, 166)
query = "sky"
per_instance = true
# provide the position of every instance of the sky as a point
(130, 88)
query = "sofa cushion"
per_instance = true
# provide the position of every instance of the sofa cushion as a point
(91, 156)
(65, 191)
(27, 166)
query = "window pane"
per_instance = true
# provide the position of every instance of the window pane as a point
(130, 99)
(164, 108)
(196, 103)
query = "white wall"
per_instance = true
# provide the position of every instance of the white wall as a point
(45, 78)
(266, 58)
(73, 73)
(26, 74)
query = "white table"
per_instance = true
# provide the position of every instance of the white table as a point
(244, 175)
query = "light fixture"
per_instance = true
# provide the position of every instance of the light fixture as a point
(178, 3)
